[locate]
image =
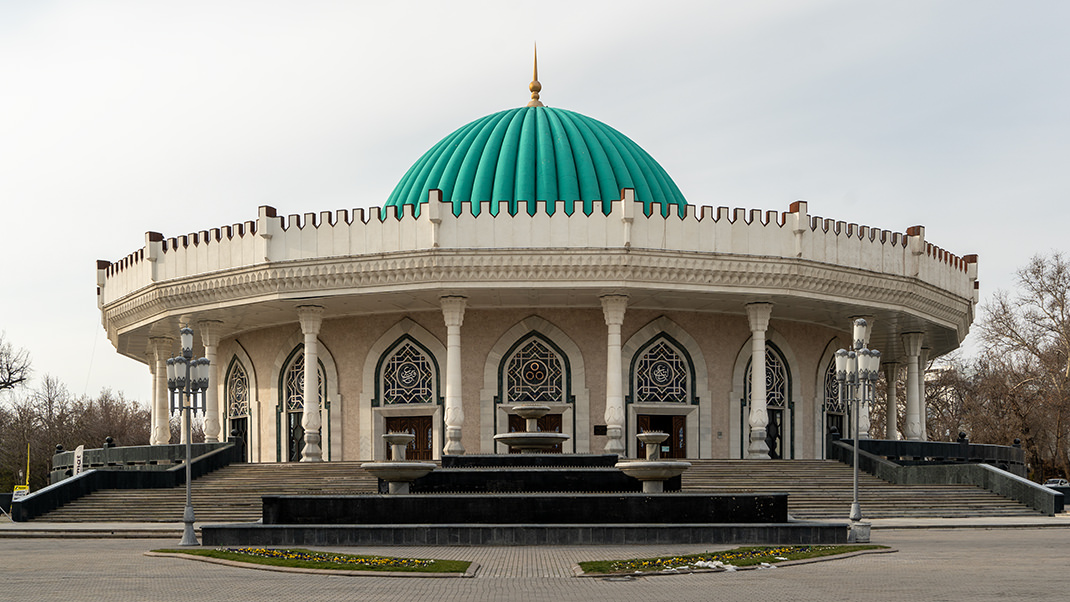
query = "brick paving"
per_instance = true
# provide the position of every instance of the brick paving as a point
(937, 564)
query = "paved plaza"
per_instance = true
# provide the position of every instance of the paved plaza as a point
(933, 562)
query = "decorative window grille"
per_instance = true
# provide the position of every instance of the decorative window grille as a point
(408, 377)
(237, 391)
(294, 383)
(662, 375)
(833, 403)
(776, 380)
(535, 373)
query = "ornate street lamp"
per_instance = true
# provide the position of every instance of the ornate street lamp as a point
(857, 372)
(187, 379)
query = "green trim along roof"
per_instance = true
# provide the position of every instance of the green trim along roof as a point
(534, 154)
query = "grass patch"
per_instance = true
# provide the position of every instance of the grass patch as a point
(307, 559)
(738, 557)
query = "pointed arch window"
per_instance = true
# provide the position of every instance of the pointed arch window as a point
(237, 391)
(535, 373)
(777, 383)
(408, 376)
(294, 384)
(662, 374)
(833, 403)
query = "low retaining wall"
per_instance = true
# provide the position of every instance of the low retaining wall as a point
(69, 489)
(987, 477)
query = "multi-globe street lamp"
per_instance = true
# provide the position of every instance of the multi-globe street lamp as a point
(857, 371)
(187, 379)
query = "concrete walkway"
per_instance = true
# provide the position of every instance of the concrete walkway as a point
(936, 559)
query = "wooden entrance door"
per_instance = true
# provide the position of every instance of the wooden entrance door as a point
(673, 447)
(420, 448)
(239, 427)
(297, 436)
(550, 423)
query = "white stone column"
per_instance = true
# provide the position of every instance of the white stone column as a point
(912, 342)
(758, 315)
(923, 363)
(160, 349)
(613, 308)
(311, 317)
(891, 374)
(453, 314)
(152, 399)
(210, 339)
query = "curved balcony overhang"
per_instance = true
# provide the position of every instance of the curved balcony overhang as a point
(814, 271)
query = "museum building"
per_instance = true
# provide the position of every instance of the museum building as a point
(535, 255)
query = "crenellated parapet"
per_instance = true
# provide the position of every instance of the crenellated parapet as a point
(362, 232)
(700, 251)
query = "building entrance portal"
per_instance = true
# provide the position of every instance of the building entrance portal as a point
(239, 427)
(420, 447)
(297, 436)
(774, 435)
(550, 423)
(676, 426)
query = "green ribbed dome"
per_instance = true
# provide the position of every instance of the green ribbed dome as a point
(537, 154)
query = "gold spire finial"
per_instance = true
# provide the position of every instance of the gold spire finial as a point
(535, 86)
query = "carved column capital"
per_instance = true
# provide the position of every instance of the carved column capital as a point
(613, 308)
(311, 317)
(209, 330)
(758, 316)
(160, 348)
(453, 310)
(912, 341)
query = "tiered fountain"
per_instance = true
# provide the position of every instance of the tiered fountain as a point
(529, 498)
(532, 441)
(653, 472)
(398, 472)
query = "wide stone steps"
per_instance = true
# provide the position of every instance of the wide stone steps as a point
(818, 489)
(231, 494)
(822, 489)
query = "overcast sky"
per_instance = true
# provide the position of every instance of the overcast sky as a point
(119, 117)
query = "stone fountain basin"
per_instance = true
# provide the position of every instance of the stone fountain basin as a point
(657, 470)
(538, 440)
(401, 471)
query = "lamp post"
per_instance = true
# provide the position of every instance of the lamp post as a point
(187, 379)
(857, 372)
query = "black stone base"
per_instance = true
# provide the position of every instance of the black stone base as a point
(516, 479)
(528, 508)
(543, 460)
(523, 535)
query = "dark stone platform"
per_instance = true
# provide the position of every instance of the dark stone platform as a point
(526, 508)
(541, 460)
(512, 473)
(525, 499)
(523, 534)
(523, 478)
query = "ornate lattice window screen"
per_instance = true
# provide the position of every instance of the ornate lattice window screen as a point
(238, 391)
(833, 403)
(535, 374)
(661, 375)
(776, 380)
(294, 383)
(408, 377)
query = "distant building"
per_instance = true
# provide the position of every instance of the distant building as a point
(533, 255)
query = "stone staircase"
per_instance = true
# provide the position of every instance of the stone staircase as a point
(818, 489)
(822, 489)
(230, 494)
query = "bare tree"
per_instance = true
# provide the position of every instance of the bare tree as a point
(14, 365)
(39, 420)
(1024, 370)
